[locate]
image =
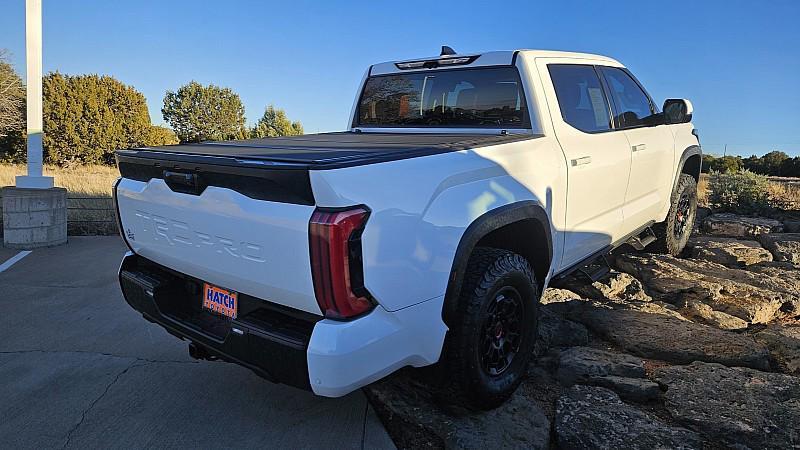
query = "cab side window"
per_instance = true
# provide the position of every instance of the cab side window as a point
(580, 96)
(632, 107)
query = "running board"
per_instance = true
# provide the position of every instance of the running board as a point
(596, 270)
(645, 238)
(593, 268)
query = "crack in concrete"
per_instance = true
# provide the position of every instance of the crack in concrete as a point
(86, 352)
(100, 397)
(364, 426)
(63, 286)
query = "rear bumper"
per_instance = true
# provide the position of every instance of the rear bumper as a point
(269, 341)
(331, 358)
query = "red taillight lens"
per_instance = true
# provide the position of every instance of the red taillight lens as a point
(336, 265)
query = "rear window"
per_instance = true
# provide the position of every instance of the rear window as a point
(490, 97)
(580, 96)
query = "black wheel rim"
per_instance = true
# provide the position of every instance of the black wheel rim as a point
(502, 331)
(683, 215)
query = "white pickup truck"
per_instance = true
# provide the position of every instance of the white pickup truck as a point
(424, 234)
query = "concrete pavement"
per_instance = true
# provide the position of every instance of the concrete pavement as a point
(80, 369)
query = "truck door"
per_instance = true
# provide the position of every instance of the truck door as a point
(651, 146)
(598, 159)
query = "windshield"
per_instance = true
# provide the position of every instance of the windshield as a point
(490, 97)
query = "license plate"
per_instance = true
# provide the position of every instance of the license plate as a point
(220, 301)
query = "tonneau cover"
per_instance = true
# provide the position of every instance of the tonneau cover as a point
(328, 150)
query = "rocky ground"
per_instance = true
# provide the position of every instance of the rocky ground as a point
(700, 351)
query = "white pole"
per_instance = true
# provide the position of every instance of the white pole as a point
(33, 58)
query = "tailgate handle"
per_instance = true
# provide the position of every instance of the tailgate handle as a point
(187, 183)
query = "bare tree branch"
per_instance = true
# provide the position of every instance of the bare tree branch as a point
(12, 97)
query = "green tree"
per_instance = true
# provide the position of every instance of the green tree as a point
(790, 167)
(772, 162)
(708, 160)
(88, 117)
(275, 123)
(200, 113)
(727, 164)
(12, 112)
(754, 164)
(160, 136)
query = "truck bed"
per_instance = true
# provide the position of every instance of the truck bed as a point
(277, 169)
(322, 151)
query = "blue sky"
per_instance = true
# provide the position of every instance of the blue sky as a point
(739, 62)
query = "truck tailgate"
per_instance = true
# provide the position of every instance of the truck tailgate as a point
(220, 235)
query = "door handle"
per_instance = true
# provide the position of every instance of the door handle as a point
(581, 161)
(639, 147)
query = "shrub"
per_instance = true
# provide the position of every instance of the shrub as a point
(88, 117)
(742, 191)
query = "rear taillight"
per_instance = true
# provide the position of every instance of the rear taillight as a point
(336, 262)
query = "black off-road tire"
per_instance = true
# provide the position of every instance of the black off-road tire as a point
(494, 278)
(673, 233)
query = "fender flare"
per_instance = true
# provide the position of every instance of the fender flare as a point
(481, 227)
(688, 152)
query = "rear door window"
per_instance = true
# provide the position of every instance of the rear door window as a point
(580, 96)
(487, 97)
(632, 106)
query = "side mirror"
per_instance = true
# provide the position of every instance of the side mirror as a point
(677, 110)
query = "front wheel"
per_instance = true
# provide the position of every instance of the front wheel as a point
(491, 341)
(673, 233)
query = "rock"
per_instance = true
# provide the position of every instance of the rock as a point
(564, 309)
(791, 226)
(728, 251)
(702, 313)
(786, 277)
(632, 389)
(749, 296)
(733, 225)
(666, 338)
(656, 307)
(555, 331)
(614, 286)
(595, 417)
(784, 246)
(555, 295)
(783, 343)
(734, 406)
(415, 419)
(579, 364)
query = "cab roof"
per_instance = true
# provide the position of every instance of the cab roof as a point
(495, 58)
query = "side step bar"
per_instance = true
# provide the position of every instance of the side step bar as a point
(593, 268)
(645, 238)
(596, 266)
(596, 269)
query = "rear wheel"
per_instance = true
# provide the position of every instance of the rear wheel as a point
(673, 233)
(491, 342)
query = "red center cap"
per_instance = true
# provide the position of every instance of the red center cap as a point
(498, 330)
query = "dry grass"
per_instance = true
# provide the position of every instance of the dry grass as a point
(84, 181)
(702, 190)
(90, 209)
(785, 193)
